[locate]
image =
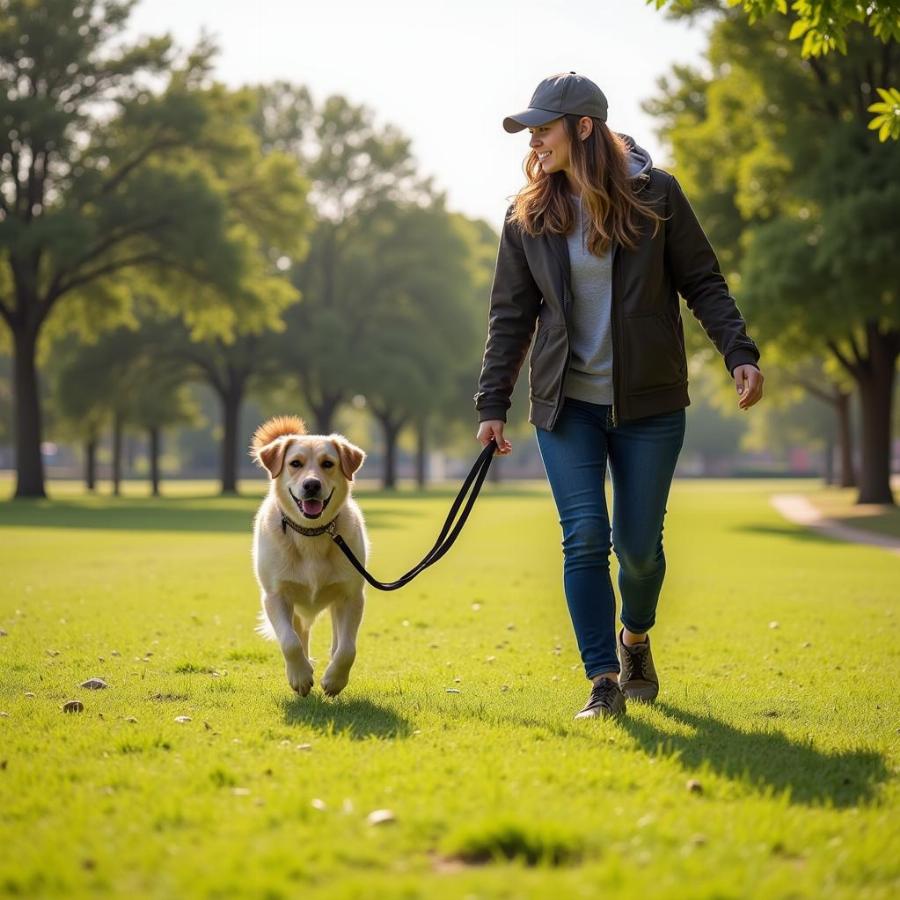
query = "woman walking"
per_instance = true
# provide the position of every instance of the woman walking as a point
(595, 250)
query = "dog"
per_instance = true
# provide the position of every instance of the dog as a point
(300, 575)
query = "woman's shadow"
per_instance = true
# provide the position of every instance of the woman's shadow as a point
(354, 717)
(765, 760)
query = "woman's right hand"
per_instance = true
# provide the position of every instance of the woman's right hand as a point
(493, 428)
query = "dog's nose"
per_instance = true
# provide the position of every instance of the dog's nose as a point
(311, 486)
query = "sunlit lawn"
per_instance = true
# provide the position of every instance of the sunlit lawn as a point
(777, 650)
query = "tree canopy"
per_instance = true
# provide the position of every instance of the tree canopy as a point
(823, 26)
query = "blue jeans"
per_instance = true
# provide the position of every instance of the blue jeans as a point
(642, 456)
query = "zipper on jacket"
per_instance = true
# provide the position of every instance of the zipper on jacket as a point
(562, 381)
(612, 310)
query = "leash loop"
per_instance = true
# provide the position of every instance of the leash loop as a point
(446, 538)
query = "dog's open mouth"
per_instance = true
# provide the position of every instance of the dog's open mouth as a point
(312, 509)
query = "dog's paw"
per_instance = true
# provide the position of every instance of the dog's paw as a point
(334, 681)
(299, 676)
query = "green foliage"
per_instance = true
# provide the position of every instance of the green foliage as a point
(417, 320)
(803, 270)
(823, 26)
(821, 23)
(887, 122)
(802, 211)
(388, 309)
(128, 373)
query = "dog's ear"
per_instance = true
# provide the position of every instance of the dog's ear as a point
(351, 456)
(271, 457)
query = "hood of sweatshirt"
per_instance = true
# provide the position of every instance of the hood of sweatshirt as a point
(639, 161)
(639, 165)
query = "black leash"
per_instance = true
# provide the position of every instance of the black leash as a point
(445, 540)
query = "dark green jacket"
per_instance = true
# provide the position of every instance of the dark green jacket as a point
(532, 285)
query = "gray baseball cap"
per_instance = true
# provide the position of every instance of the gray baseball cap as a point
(557, 95)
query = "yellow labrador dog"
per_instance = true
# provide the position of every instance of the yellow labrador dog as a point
(299, 573)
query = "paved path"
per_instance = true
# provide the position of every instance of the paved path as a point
(797, 508)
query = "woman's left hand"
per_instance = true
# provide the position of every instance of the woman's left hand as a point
(749, 383)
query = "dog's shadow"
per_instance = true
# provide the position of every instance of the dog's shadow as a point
(353, 717)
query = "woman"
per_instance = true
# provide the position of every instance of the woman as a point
(595, 250)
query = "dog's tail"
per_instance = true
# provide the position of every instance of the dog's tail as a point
(265, 629)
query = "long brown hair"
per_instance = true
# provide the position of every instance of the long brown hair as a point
(599, 170)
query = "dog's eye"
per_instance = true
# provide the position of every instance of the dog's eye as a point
(327, 464)
(295, 463)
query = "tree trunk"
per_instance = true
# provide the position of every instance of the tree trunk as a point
(117, 454)
(876, 388)
(839, 401)
(828, 461)
(154, 435)
(29, 463)
(90, 464)
(421, 455)
(130, 452)
(845, 440)
(390, 456)
(391, 428)
(324, 411)
(232, 398)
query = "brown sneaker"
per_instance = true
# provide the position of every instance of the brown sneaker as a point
(606, 700)
(637, 679)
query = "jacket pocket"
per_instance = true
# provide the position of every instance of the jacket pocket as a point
(654, 358)
(547, 363)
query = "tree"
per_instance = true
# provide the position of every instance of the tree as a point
(122, 378)
(106, 184)
(452, 419)
(823, 26)
(78, 396)
(229, 368)
(419, 324)
(818, 271)
(353, 168)
(807, 206)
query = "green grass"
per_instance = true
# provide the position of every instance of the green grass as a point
(791, 731)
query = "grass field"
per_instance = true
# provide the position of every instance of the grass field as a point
(777, 651)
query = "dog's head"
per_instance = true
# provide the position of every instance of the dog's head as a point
(311, 473)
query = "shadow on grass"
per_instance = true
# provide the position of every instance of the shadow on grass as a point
(356, 718)
(792, 532)
(211, 514)
(765, 760)
(225, 514)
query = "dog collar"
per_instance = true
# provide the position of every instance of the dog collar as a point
(286, 523)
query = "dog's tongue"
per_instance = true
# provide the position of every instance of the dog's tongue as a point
(312, 507)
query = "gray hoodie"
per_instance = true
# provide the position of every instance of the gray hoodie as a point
(590, 373)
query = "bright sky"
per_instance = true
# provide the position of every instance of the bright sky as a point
(445, 73)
